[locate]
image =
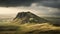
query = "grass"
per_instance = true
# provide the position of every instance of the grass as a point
(29, 28)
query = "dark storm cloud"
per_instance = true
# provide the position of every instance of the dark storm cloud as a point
(48, 3)
(17, 2)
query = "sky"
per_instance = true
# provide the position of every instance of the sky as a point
(39, 7)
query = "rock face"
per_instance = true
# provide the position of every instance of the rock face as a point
(28, 17)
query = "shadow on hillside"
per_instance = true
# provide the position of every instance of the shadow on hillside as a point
(45, 32)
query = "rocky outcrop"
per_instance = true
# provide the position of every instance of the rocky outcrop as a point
(28, 17)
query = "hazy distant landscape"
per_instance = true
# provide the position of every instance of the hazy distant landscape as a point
(29, 16)
(10, 26)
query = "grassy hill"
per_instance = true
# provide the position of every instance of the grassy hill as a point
(28, 28)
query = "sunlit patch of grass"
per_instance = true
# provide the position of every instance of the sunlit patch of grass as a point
(28, 27)
(41, 27)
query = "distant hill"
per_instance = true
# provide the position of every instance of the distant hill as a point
(28, 17)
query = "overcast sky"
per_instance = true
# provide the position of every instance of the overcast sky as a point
(39, 7)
